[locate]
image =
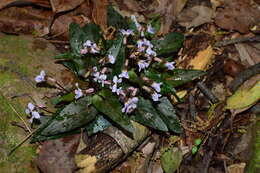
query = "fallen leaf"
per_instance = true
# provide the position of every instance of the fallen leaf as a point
(99, 13)
(216, 3)
(237, 15)
(86, 163)
(11, 3)
(57, 156)
(130, 5)
(25, 20)
(202, 59)
(249, 53)
(171, 160)
(236, 168)
(64, 5)
(167, 9)
(61, 24)
(195, 16)
(243, 98)
(232, 67)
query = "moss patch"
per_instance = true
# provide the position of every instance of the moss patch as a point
(20, 62)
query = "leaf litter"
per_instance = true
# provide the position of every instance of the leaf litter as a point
(203, 25)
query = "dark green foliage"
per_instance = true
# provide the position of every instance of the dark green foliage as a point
(110, 106)
(71, 117)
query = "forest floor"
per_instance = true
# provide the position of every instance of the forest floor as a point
(219, 113)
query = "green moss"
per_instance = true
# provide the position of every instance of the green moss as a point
(19, 64)
(254, 164)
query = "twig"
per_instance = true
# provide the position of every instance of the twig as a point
(237, 40)
(23, 141)
(207, 93)
(18, 124)
(192, 107)
(243, 76)
(27, 127)
(59, 41)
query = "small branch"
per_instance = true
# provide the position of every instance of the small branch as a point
(192, 107)
(243, 76)
(237, 40)
(207, 93)
(27, 127)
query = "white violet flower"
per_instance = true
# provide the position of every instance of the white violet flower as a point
(126, 32)
(156, 96)
(150, 29)
(157, 86)
(130, 105)
(100, 78)
(124, 74)
(170, 65)
(111, 59)
(35, 115)
(41, 77)
(84, 51)
(150, 52)
(87, 43)
(31, 110)
(116, 80)
(142, 64)
(78, 92)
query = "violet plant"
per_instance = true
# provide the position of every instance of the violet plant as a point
(128, 77)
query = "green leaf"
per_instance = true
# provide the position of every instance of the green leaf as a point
(157, 77)
(198, 142)
(115, 19)
(244, 97)
(79, 35)
(64, 98)
(99, 124)
(66, 56)
(171, 160)
(78, 66)
(156, 23)
(194, 150)
(168, 115)
(179, 77)
(118, 51)
(147, 115)
(92, 32)
(76, 36)
(71, 117)
(81, 66)
(70, 65)
(171, 42)
(110, 106)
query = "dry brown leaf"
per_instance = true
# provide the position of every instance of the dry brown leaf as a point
(130, 5)
(86, 163)
(60, 26)
(202, 59)
(64, 5)
(168, 10)
(237, 15)
(195, 16)
(10, 3)
(99, 13)
(249, 52)
(216, 3)
(25, 20)
(57, 156)
(236, 168)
